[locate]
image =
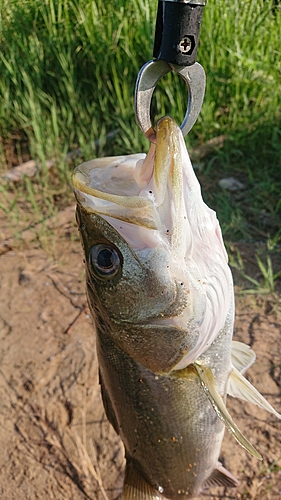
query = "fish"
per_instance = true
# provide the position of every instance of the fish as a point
(161, 294)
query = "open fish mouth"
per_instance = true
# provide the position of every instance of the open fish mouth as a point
(142, 190)
(154, 201)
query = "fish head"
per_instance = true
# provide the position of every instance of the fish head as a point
(158, 280)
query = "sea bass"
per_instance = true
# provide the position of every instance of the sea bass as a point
(161, 294)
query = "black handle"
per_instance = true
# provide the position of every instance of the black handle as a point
(177, 31)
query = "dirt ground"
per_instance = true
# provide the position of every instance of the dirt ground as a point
(55, 440)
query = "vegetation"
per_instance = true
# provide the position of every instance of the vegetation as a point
(68, 70)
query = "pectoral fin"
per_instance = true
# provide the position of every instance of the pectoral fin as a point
(136, 487)
(242, 356)
(239, 387)
(220, 477)
(209, 385)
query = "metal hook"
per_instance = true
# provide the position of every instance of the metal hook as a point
(195, 79)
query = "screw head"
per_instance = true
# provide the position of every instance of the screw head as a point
(185, 45)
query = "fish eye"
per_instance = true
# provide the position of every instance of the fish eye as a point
(105, 261)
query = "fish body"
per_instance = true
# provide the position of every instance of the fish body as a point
(171, 433)
(161, 295)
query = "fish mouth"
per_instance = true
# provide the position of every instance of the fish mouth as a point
(146, 191)
(107, 187)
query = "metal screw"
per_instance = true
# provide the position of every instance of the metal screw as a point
(185, 45)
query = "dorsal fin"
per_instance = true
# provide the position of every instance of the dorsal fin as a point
(242, 356)
(136, 487)
(209, 385)
(220, 477)
(239, 387)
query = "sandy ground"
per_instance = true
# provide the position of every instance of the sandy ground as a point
(55, 440)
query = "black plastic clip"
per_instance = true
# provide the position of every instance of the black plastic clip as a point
(177, 31)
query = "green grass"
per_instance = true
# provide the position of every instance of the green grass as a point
(68, 70)
(267, 279)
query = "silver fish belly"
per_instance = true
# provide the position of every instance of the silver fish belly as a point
(161, 295)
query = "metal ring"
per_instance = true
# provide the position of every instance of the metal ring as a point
(149, 75)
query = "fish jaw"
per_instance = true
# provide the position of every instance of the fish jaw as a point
(159, 210)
